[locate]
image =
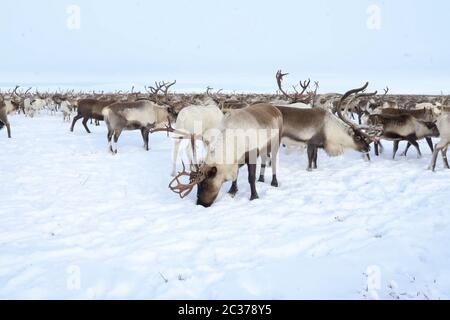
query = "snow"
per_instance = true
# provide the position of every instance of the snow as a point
(78, 222)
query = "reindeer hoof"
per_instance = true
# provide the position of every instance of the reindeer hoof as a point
(274, 184)
(261, 179)
(254, 197)
(232, 193)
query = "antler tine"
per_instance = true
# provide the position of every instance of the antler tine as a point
(305, 84)
(15, 90)
(279, 77)
(386, 90)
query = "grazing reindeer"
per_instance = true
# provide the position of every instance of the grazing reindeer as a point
(443, 125)
(244, 135)
(403, 127)
(319, 128)
(141, 115)
(90, 109)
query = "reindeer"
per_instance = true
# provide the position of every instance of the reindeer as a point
(90, 109)
(6, 107)
(319, 128)
(192, 119)
(443, 125)
(244, 135)
(141, 115)
(425, 114)
(66, 109)
(403, 127)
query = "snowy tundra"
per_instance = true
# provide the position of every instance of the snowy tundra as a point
(76, 222)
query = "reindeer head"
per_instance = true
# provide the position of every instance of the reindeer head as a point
(214, 176)
(432, 128)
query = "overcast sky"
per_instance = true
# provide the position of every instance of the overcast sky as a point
(235, 45)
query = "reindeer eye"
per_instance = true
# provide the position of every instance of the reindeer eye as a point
(212, 172)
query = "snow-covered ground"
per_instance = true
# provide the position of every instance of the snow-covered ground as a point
(77, 222)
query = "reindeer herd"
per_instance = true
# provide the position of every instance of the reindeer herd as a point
(237, 129)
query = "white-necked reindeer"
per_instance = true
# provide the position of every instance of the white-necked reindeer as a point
(195, 119)
(66, 109)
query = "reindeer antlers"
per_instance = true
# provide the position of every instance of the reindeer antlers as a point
(183, 189)
(161, 86)
(297, 96)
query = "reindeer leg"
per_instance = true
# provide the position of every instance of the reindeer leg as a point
(85, 120)
(8, 129)
(416, 145)
(194, 151)
(116, 138)
(380, 146)
(188, 152)
(145, 134)
(430, 143)
(314, 163)
(406, 149)
(234, 189)
(75, 119)
(263, 165)
(444, 157)
(252, 180)
(109, 137)
(396, 142)
(310, 151)
(376, 148)
(432, 166)
(274, 182)
(176, 147)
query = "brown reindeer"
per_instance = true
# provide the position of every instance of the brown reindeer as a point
(90, 109)
(403, 127)
(424, 114)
